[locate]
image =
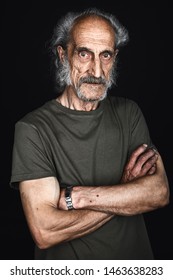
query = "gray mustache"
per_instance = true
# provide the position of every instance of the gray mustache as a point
(92, 80)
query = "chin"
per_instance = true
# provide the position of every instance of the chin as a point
(92, 93)
(92, 98)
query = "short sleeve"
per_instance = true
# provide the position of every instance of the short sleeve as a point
(139, 132)
(29, 158)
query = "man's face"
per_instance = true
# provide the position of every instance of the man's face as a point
(91, 56)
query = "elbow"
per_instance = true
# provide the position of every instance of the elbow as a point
(42, 239)
(164, 197)
(45, 238)
(42, 244)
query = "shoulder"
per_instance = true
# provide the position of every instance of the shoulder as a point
(122, 104)
(38, 116)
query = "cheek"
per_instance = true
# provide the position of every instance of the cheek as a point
(107, 70)
(77, 70)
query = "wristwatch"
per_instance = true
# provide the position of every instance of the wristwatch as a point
(68, 199)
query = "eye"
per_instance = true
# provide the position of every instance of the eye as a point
(106, 56)
(84, 55)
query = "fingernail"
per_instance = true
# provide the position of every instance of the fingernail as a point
(145, 145)
(153, 148)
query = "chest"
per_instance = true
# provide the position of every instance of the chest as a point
(90, 154)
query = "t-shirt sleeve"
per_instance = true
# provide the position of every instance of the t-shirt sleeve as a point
(29, 158)
(138, 128)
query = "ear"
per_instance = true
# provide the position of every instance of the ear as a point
(61, 53)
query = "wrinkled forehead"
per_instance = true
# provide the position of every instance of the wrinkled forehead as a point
(93, 27)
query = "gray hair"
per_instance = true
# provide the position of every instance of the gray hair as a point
(62, 32)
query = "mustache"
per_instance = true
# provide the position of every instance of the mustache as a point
(92, 80)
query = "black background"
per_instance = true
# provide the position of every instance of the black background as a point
(144, 76)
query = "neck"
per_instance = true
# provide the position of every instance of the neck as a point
(70, 100)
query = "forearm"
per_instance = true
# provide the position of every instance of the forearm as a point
(48, 224)
(60, 225)
(125, 199)
(138, 196)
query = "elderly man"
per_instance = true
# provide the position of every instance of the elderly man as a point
(84, 163)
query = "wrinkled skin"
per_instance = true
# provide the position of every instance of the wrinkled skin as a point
(141, 162)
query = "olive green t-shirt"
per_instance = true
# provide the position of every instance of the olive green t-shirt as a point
(88, 149)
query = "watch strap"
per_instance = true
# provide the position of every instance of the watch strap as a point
(68, 198)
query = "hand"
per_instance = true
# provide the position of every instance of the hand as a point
(142, 161)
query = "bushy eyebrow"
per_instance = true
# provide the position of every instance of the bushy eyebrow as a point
(81, 49)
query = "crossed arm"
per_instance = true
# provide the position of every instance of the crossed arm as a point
(143, 187)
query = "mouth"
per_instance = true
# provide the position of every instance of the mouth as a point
(90, 91)
(93, 85)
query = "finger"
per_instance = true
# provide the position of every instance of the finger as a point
(152, 170)
(144, 163)
(150, 163)
(149, 155)
(134, 156)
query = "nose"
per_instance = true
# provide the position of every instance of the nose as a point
(96, 68)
